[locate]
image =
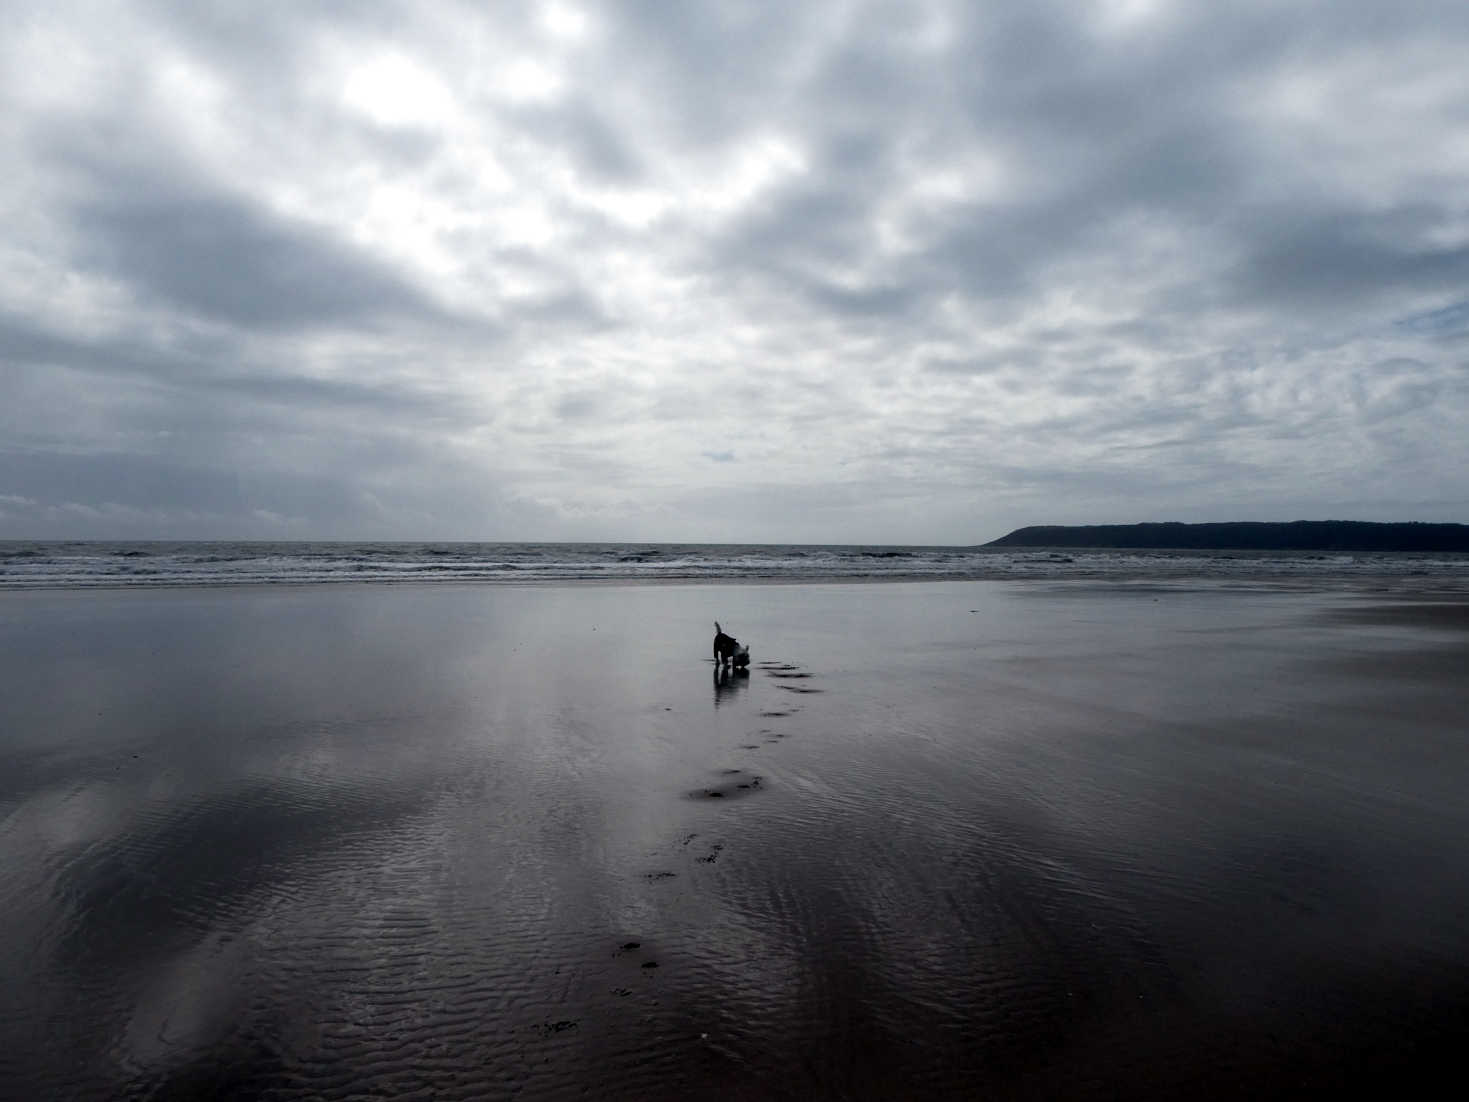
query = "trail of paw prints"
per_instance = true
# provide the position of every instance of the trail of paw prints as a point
(633, 959)
(710, 850)
(703, 850)
(789, 677)
(713, 854)
(734, 784)
(727, 785)
(654, 876)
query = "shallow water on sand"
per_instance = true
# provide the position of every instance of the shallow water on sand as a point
(944, 839)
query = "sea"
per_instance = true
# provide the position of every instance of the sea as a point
(80, 564)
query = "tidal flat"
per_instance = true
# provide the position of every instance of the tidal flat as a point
(945, 839)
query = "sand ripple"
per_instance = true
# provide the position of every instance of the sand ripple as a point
(484, 851)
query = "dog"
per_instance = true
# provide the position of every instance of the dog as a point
(727, 650)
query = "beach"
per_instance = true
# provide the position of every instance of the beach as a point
(945, 839)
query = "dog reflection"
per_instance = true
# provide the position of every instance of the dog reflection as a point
(728, 681)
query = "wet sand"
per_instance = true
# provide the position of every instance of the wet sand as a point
(944, 840)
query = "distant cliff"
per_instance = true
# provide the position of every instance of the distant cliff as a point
(1300, 535)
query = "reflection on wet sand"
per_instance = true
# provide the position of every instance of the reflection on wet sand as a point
(324, 844)
(728, 682)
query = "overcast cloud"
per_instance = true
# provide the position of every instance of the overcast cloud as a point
(825, 271)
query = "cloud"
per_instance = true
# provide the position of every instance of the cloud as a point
(930, 270)
(219, 259)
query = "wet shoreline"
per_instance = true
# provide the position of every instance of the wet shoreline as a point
(944, 839)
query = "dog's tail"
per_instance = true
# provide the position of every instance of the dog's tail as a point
(717, 629)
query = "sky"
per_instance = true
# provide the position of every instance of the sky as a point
(829, 271)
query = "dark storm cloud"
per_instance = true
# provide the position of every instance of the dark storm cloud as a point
(22, 343)
(208, 369)
(226, 260)
(1448, 322)
(139, 481)
(1335, 260)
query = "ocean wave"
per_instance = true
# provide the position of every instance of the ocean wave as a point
(83, 565)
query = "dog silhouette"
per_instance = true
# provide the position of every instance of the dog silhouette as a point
(727, 649)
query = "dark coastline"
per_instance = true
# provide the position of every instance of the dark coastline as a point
(1300, 535)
